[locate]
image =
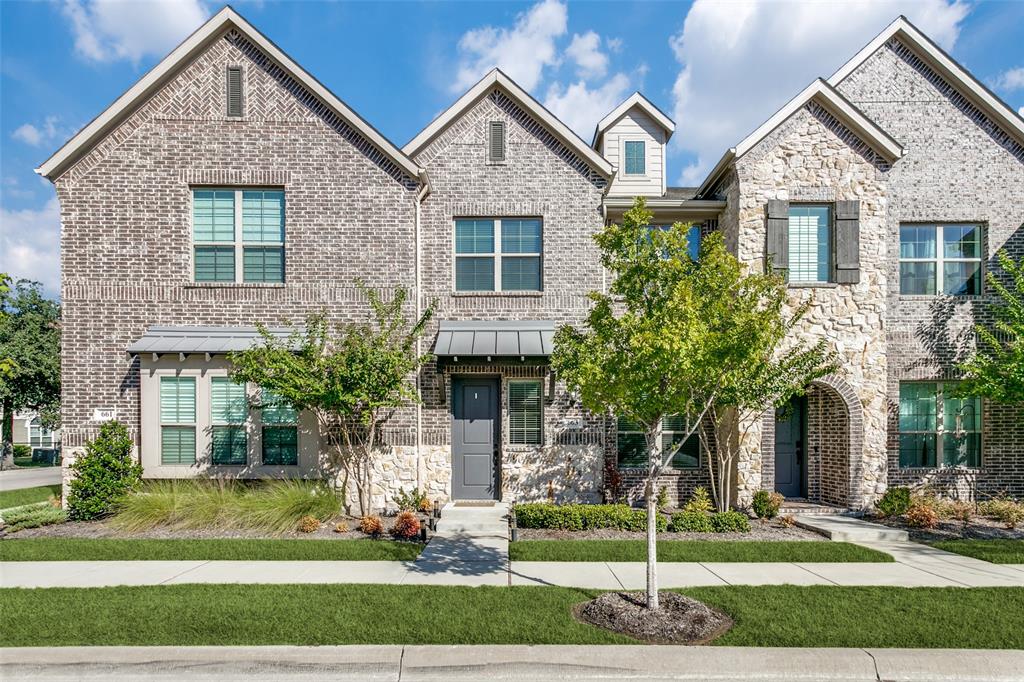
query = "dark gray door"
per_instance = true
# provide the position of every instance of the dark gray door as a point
(474, 438)
(789, 448)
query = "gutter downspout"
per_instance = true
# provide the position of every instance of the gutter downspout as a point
(421, 194)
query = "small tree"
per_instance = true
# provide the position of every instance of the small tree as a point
(996, 370)
(104, 474)
(665, 340)
(351, 377)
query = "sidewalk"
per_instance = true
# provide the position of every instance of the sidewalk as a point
(511, 662)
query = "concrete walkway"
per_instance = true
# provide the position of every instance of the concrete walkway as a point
(470, 546)
(509, 662)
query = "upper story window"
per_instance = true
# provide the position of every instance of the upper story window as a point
(810, 243)
(498, 254)
(238, 235)
(940, 259)
(631, 444)
(635, 152)
(936, 429)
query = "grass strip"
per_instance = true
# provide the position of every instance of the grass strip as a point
(778, 616)
(693, 550)
(102, 549)
(994, 551)
(23, 496)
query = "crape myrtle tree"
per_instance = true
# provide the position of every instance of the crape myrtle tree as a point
(665, 340)
(352, 377)
(996, 369)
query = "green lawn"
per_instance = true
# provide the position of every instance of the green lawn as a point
(778, 616)
(691, 550)
(996, 551)
(80, 549)
(16, 498)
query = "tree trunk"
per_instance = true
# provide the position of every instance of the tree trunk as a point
(7, 441)
(652, 545)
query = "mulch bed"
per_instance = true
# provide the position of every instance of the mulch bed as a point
(768, 530)
(978, 529)
(678, 620)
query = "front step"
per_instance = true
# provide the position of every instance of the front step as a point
(471, 527)
(849, 529)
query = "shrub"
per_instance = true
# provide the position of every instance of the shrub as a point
(372, 526)
(700, 501)
(788, 520)
(1010, 513)
(341, 527)
(960, 511)
(584, 517)
(276, 506)
(104, 474)
(33, 516)
(922, 515)
(766, 504)
(662, 501)
(22, 451)
(895, 502)
(426, 506)
(612, 483)
(412, 500)
(688, 521)
(308, 524)
(407, 526)
(730, 522)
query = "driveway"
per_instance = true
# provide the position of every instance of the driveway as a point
(15, 479)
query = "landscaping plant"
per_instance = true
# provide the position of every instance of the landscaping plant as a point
(895, 502)
(372, 526)
(308, 524)
(341, 527)
(351, 377)
(585, 517)
(414, 500)
(662, 498)
(1010, 513)
(688, 521)
(766, 504)
(699, 501)
(32, 516)
(677, 337)
(407, 526)
(104, 474)
(922, 515)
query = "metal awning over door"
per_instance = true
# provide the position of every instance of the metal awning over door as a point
(494, 339)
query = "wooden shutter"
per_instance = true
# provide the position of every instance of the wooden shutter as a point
(847, 242)
(496, 141)
(777, 249)
(234, 91)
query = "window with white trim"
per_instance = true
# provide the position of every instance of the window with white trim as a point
(280, 431)
(810, 243)
(635, 153)
(937, 429)
(229, 411)
(38, 435)
(940, 259)
(631, 444)
(498, 254)
(525, 412)
(238, 235)
(177, 420)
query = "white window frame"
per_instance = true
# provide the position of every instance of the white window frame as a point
(647, 159)
(497, 255)
(831, 251)
(940, 258)
(238, 243)
(46, 439)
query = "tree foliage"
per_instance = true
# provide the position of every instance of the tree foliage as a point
(352, 377)
(673, 336)
(996, 370)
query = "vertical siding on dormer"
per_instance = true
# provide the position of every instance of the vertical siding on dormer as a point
(636, 125)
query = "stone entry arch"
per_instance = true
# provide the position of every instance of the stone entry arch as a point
(834, 447)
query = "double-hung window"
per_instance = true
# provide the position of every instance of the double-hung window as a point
(280, 434)
(635, 152)
(810, 243)
(238, 235)
(940, 259)
(525, 412)
(39, 435)
(937, 429)
(498, 254)
(229, 410)
(632, 444)
(177, 420)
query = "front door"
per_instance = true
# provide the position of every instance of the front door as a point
(789, 448)
(474, 438)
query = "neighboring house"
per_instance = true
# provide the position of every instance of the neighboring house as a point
(30, 432)
(228, 188)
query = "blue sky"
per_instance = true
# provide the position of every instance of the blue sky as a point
(718, 68)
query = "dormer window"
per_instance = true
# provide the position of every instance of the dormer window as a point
(636, 157)
(496, 142)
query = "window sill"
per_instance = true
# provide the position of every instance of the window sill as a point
(812, 285)
(941, 297)
(497, 294)
(961, 468)
(671, 471)
(235, 285)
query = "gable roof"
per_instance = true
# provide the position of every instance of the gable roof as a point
(497, 78)
(215, 27)
(639, 101)
(959, 77)
(837, 105)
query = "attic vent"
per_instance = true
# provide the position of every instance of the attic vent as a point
(234, 91)
(496, 141)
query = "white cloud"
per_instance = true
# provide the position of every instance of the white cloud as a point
(585, 51)
(108, 30)
(38, 135)
(521, 51)
(30, 244)
(1021, 112)
(581, 107)
(741, 61)
(1011, 80)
